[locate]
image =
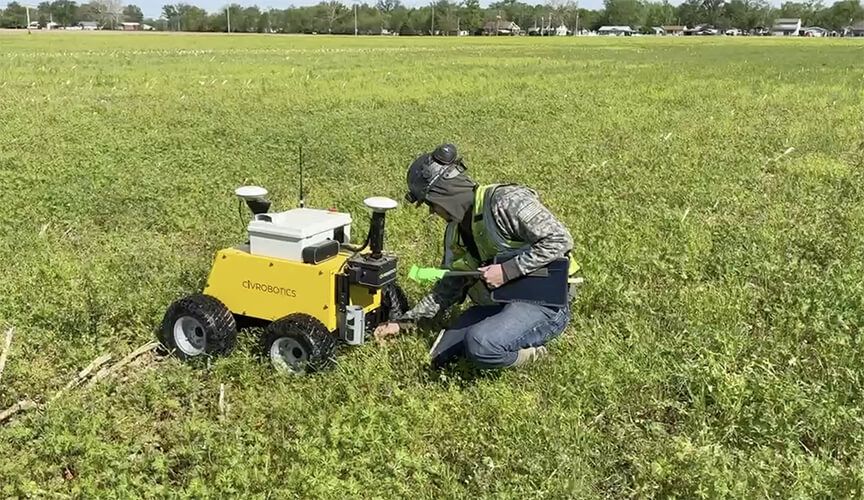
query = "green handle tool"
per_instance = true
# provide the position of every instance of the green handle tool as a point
(421, 274)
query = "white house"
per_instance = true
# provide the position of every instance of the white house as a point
(499, 27)
(561, 30)
(615, 30)
(786, 27)
(674, 30)
(814, 31)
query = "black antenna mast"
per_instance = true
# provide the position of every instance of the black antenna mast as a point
(302, 204)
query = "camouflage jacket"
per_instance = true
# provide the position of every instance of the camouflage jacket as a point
(519, 216)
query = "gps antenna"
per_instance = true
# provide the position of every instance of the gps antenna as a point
(302, 204)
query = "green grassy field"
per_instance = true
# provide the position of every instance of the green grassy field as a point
(714, 189)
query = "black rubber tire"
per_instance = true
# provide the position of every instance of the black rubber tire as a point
(217, 324)
(394, 302)
(318, 345)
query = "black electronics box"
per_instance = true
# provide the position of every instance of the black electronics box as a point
(374, 273)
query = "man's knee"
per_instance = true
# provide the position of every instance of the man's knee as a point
(482, 350)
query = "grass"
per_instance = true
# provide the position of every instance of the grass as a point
(713, 188)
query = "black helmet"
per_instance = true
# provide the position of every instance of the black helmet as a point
(427, 169)
(445, 154)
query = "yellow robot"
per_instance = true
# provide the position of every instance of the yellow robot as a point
(299, 278)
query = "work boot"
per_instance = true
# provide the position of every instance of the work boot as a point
(529, 354)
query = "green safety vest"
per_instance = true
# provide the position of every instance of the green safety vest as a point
(489, 243)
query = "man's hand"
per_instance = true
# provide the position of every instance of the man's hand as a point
(385, 330)
(493, 275)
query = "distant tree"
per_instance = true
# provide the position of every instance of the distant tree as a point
(14, 16)
(518, 12)
(244, 19)
(623, 12)
(370, 20)
(194, 18)
(64, 12)
(43, 13)
(659, 14)
(843, 14)
(132, 14)
(386, 8)
(472, 15)
(417, 21)
(808, 12)
(712, 11)
(169, 12)
(398, 19)
(447, 19)
(109, 12)
(294, 20)
(264, 22)
(329, 13)
(559, 12)
(588, 19)
(155, 23)
(747, 14)
(88, 12)
(689, 13)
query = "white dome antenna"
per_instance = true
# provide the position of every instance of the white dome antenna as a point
(254, 196)
(250, 192)
(380, 203)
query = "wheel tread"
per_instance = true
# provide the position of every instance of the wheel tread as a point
(320, 342)
(215, 317)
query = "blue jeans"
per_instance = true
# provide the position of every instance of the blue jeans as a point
(491, 336)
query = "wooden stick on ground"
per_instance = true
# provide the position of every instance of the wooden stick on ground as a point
(20, 406)
(132, 356)
(7, 345)
(222, 399)
(96, 363)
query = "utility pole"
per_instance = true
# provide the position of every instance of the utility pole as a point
(355, 19)
(576, 31)
(28, 18)
(228, 14)
(433, 20)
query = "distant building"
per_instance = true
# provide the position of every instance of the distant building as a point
(786, 27)
(130, 26)
(500, 27)
(674, 30)
(615, 30)
(89, 25)
(814, 31)
(701, 30)
(857, 29)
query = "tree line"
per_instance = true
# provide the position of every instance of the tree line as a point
(443, 17)
(108, 13)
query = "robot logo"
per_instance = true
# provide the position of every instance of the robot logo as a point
(269, 288)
